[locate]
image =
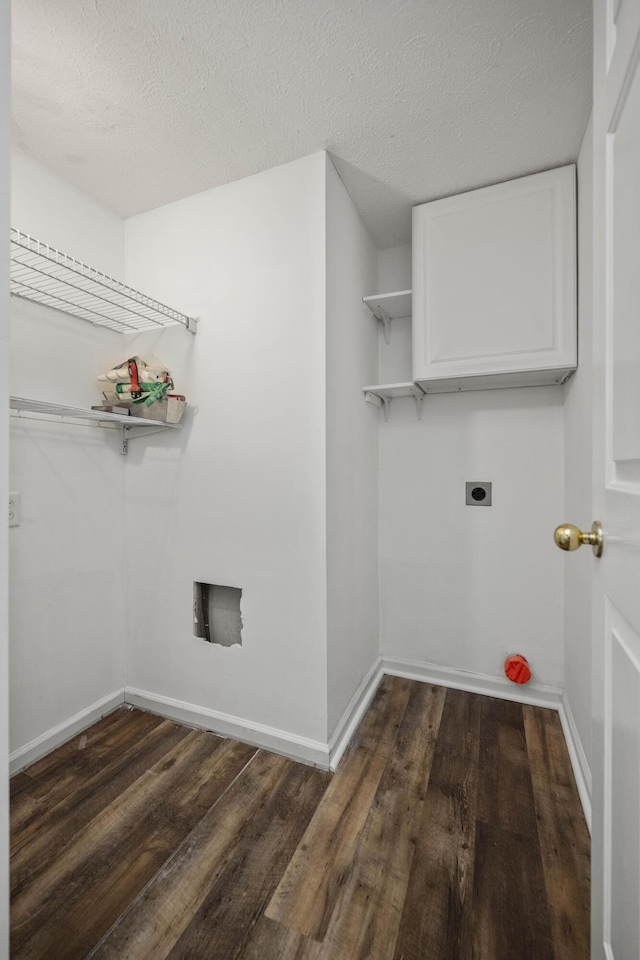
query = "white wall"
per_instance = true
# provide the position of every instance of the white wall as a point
(578, 455)
(66, 569)
(352, 451)
(238, 497)
(5, 33)
(395, 358)
(461, 586)
(53, 211)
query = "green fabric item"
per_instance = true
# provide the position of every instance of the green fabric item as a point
(156, 392)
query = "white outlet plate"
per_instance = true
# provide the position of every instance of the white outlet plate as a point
(14, 509)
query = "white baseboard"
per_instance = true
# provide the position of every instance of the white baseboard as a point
(341, 736)
(58, 735)
(579, 763)
(536, 694)
(257, 734)
(324, 755)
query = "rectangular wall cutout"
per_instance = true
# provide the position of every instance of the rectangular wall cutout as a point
(216, 614)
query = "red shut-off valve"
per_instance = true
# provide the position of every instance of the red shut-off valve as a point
(517, 668)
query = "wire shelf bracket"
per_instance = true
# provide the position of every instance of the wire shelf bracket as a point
(44, 275)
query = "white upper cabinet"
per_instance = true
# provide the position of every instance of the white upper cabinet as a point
(494, 285)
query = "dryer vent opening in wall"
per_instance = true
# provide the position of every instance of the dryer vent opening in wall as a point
(216, 614)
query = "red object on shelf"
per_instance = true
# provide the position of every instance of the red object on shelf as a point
(517, 668)
(132, 367)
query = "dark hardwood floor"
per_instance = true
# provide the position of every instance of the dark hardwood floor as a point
(452, 830)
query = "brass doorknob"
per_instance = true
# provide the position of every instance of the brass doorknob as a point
(568, 537)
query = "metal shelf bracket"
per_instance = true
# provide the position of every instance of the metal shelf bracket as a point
(379, 400)
(385, 320)
(131, 433)
(383, 395)
(385, 307)
(373, 398)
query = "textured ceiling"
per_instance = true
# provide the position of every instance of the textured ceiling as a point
(140, 102)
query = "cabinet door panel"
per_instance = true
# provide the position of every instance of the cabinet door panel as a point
(494, 280)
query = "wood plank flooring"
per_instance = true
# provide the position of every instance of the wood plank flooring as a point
(452, 830)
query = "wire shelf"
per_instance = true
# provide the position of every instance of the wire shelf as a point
(21, 408)
(45, 275)
(41, 408)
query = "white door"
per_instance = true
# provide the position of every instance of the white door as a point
(616, 800)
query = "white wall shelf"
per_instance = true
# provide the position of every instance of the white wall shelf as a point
(131, 426)
(42, 274)
(386, 307)
(381, 395)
